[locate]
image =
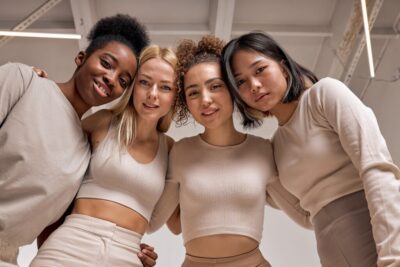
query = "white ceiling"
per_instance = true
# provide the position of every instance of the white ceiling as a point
(323, 35)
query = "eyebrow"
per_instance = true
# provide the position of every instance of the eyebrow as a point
(251, 65)
(207, 82)
(116, 61)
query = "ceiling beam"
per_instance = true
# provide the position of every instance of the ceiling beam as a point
(85, 16)
(31, 18)
(330, 59)
(373, 7)
(221, 18)
(283, 30)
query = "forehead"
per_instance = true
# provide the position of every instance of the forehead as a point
(157, 66)
(204, 70)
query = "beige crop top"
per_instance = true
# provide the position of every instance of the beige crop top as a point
(114, 175)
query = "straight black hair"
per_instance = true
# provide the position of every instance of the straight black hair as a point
(266, 45)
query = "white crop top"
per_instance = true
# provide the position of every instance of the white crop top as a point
(114, 175)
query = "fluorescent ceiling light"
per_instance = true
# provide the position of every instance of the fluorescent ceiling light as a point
(40, 35)
(367, 38)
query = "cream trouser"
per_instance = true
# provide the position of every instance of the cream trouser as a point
(86, 241)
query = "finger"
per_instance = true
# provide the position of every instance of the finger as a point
(150, 253)
(145, 246)
(146, 260)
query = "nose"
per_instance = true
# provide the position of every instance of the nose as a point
(152, 93)
(206, 98)
(255, 86)
(110, 79)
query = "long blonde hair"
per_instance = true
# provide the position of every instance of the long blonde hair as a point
(124, 110)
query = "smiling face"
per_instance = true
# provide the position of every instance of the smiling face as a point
(154, 90)
(207, 96)
(261, 81)
(105, 74)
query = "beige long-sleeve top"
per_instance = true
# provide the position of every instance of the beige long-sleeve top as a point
(43, 153)
(221, 190)
(331, 147)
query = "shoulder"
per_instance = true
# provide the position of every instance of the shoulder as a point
(184, 144)
(13, 68)
(259, 141)
(98, 121)
(259, 144)
(327, 87)
(170, 141)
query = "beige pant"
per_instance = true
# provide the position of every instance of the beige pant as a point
(8, 254)
(86, 241)
(253, 258)
(344, 233)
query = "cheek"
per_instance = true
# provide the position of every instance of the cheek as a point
(191, 105)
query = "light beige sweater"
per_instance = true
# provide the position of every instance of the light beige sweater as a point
(221, 190)
(331, 147)
(43, 153)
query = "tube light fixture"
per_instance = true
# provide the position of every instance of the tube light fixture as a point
(367, 38)
(40, 35)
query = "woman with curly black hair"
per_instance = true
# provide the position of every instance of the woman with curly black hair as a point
(126, 174)
(328, 149)
(220, 177)
(43, 151)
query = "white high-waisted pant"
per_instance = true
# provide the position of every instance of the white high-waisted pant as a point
(87, 241)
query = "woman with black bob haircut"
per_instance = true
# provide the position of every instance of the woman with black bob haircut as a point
(44, 152)
(328, 149)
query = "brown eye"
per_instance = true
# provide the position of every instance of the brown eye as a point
(261, 69)
(105, 64)
(124, 84)
(239, 83)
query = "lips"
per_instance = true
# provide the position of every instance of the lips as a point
(209, 112)
(101, 89)
(150, 105)
(259, 97)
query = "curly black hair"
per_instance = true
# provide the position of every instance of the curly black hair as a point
(208, 49)
(121, 28)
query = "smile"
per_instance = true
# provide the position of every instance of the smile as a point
(209, 112)
(101, 89)
(150, 106)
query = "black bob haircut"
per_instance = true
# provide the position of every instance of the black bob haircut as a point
(266, 45)
(120, 28)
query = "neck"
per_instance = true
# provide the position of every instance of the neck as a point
(71, 93)
(283, 112)
(225, 135)
(146, 130)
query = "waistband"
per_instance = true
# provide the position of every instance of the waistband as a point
(353, 202)
(104, 228)
(235, 258)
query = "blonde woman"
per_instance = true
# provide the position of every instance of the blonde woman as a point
(126, 174)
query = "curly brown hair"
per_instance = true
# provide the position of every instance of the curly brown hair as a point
(208, 49)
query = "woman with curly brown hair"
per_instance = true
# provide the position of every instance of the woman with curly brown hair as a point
(219, 177)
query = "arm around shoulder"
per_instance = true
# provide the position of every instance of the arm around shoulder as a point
(288, 203)
(14, 81)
